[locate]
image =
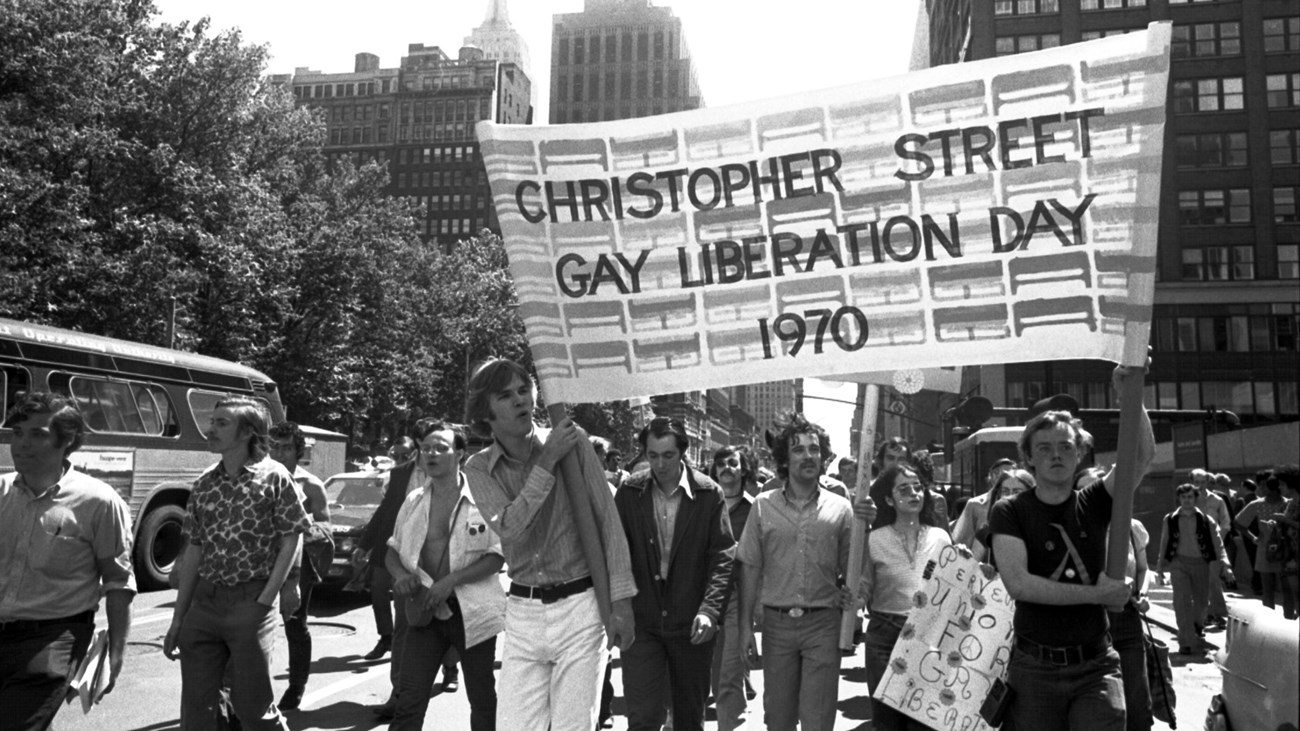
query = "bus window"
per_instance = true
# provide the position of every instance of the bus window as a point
(203, 403)
(13, 380)
(156, 410)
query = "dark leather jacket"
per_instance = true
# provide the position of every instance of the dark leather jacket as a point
(699, 575)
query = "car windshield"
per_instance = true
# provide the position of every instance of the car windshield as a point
(355, 491)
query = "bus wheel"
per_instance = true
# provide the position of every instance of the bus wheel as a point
(159, 546)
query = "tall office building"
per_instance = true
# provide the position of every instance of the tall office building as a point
(1227, 301)
(499, 40)
(620, 59)
(418, 119)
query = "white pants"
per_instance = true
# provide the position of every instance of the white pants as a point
(552, 666)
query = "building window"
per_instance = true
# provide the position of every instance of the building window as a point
(627, 45)
(1008, 45)
(1026, 7)
(1092, 35)
(562, 52)
(1207, 39)
(1209, 95)
(1283, 90)
(579, 50)
(1213, 150)
(1219, 264)
(1288, 261)
(1189, 2)
(1214, 207)
(643, 46)
(577, 87)
(659, 45)
(1281, 34)
(1284, 206)
(1282, 147)
(1088, 5)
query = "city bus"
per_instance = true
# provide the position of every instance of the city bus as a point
(146, 410)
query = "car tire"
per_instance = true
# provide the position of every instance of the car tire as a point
(158, 545)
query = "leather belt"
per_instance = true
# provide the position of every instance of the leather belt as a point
(1062, 656)
(24, 625)
(554, 592)
(795, 612)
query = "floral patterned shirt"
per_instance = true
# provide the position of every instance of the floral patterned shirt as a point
(238, 521)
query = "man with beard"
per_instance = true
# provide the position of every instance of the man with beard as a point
(554, 656)
(681, 548)
(796, 548)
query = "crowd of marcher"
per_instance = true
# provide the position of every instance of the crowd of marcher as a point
(679, 570)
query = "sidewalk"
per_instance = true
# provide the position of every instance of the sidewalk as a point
(1162, 603)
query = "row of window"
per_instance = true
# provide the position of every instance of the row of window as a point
(1262, 398)
(1230, 263)
(1231, 149)
(1233, 332)
(624, 110)
(359, 135)
(1222, 94)
(446, 178)
(449, 153)
(1047, 7)
(611, 85)
(606, 48)
(444, 110)
(345, 113)
(447, 227)
(1213, 207)
(327, 91)
(446, 132)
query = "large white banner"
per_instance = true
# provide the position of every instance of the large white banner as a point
(986, 212)
(956, 642)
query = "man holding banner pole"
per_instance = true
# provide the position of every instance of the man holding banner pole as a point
(554, 652)
(795, 553)
(1049, 544)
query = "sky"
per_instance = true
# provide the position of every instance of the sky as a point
(743, 51)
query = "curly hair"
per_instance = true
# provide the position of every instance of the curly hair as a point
(790, 426)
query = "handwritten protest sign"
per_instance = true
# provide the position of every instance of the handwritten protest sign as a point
(956, 642)
(988, 212)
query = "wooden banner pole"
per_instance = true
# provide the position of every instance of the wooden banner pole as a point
(858, 538)
(584, 515)
(1126, 476)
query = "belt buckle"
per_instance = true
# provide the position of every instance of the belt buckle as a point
(796, 612)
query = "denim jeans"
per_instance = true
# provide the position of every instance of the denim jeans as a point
(298, 635)
(655, 664)
(730, 671)
(34, 669)
(423, 655)
(381, 599)
(1087, 696)
(552, 664)
(1127, 637)
(882, 635)
(801, 670)
(226, 624)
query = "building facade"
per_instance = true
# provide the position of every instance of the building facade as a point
(418, 120)
(620, 59)
(1227, 302)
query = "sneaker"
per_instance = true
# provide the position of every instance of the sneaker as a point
(450, 679)
(381, 648)
(292, 698)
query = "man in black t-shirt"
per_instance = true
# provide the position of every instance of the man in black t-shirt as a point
(1050, 544)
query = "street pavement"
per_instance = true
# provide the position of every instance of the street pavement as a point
(344, 685)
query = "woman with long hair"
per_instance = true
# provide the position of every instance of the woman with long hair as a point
(1258, 520)
(903, 535)
(1010, 483)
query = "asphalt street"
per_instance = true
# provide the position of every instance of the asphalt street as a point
(343, 685)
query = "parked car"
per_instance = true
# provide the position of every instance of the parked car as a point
(1260, 662)
(353, 498)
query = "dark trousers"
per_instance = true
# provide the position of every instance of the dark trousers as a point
(1128, 639)
(655, 664)
(882, 635)
(381, 599)
(298, 635)
(422, 656)
(35, 665)
(225, 625)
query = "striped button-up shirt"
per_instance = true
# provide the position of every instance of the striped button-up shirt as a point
(532, 514)
(803, 550)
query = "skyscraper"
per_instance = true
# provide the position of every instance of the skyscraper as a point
(620, 59)
(499, 40)
(1227, 302)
